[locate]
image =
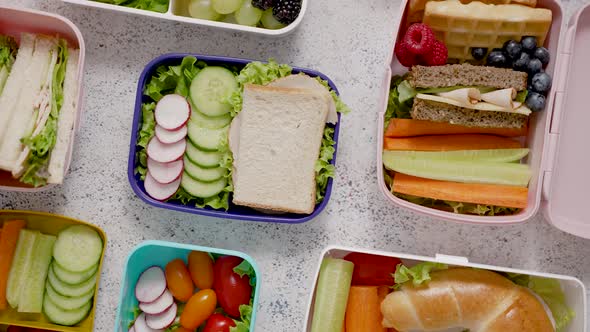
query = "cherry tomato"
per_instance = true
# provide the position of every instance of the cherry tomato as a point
(200, 265)
(231, 290)
(198, 309)
(182, 329)
(372, 270)
(179, 280)
(219, 323)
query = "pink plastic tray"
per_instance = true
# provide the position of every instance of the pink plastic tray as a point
(565, 199)
(13, 21)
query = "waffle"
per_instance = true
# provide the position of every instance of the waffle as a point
(416, 7)
(463, 26)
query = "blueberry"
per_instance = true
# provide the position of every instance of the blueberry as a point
(541, 83)
(535, 66)
(512, 49)
(535, 101)
(529, 44)
(522, 62)
(479, 53)
(497, 59)
(542, 54)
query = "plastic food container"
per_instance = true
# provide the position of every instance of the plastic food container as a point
(556, 137)
(13, 21)
(159, 253)
(49, 224)
(573, 288)
(177, 12)
(234, 211)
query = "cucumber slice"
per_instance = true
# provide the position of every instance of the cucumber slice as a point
(202, 189)
(211, 122)
(78, 248)
(461, 171)
(203, 174)
(65, 317)
(73, 278)
(23, 258)
(71, 290)
(31, 295)
(495, 155)
(205, 138)
(331, 295)
(205, 159)
(211, 89)
(67, 302)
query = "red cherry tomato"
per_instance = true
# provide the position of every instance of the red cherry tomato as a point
(198, 309)
(179, 280)
(219, 323)
(372, 270)
(232, 291)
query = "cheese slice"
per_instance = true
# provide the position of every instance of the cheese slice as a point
(481, 106)
(504, 97)
(466, 95)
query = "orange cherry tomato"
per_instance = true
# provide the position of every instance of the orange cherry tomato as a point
(198, 309)
(179, 280)
(182, 329)
(200, 265)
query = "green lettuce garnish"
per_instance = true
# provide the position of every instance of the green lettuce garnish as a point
(521, 96)
(243, 324)
(459, 207)
(173, 79)
(396, 109)
(41, 144)
(245, 269)
(147, 131)
(323, 169)
(160, 6)
(8, 50)
(417, 274)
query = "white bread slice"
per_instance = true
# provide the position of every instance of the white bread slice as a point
(65, 124)
(280, 137)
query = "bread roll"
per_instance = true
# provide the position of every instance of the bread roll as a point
(478, 300)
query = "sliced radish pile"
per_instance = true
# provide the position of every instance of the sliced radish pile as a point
(160, 305)
(160, 192)
(165, 153)
(172, 112)
(165, 173)
(171, 136)
(151, 285)
(162, 320)
(141, 325)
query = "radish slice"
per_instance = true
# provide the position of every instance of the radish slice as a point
(171, 136)
(151, 284)
(161, 192)
(158, 306)
(163, 320)
(141, 325)
(172, 112)
(165, 172)
(165, 153)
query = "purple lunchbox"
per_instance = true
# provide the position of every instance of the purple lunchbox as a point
(234, 211)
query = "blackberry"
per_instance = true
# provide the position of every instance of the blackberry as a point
(286, 11)
(263, 4)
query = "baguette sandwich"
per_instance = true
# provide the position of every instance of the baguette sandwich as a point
(37, 110)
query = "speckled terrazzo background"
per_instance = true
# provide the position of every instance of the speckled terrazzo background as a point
(349, 40)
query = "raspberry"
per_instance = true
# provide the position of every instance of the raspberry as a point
(438, 54)
(404, 56)
(419, 38)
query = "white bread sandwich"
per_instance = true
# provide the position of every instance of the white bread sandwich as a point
(42, 82)
(275, 141)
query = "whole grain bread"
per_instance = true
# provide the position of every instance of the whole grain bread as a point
(467, 75)
(440, 112)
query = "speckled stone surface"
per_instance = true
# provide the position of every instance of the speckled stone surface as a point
(349, 40)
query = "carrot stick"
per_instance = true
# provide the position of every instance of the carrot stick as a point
(363, 312)
(409, 127)
(450, 143)
(7, 247)
(488, 194)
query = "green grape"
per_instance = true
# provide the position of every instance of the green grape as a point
(230, 18)
(202, 9)
(248, 14)
(226, 6)
(269, 21)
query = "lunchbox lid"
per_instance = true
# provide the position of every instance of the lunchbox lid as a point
(566, 180)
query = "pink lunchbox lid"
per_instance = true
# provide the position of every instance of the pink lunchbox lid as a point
(563, 211)
(17, 20)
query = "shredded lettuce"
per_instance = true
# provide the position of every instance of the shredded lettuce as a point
(417, 274)
(8, 50)
(245, 269)
(243, 324)
(41, 144)
(160, 6)
(459, 207)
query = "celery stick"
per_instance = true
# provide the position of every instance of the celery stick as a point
(461, 171)
(493, 155)
(31, 296)
(23, 257)
(331, 295)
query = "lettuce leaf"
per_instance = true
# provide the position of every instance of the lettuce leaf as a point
(8, 50)
(323, 169)
(243, 324)
(147, 131)
(160, 6)
(245, 269)
(459, 207)
(417, 274)
(396, 109)
(173, 79)
(41, 144)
